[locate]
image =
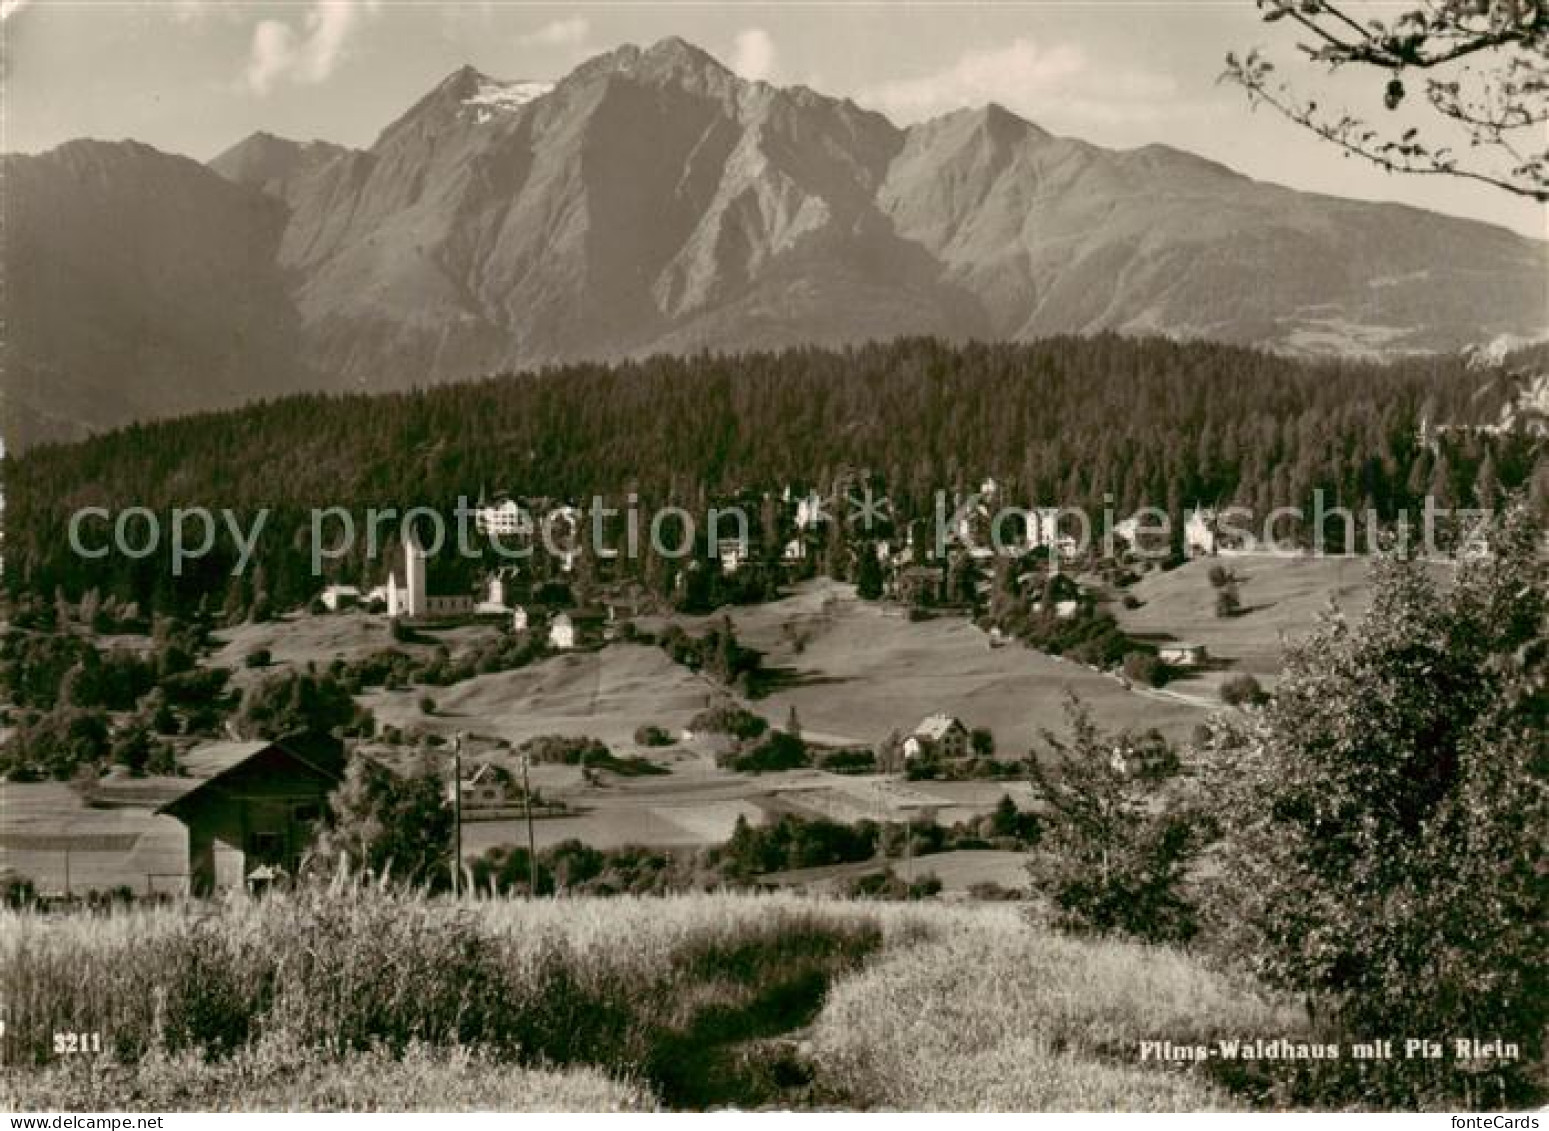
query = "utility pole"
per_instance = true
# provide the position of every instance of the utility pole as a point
(457, 814)
(532, 849)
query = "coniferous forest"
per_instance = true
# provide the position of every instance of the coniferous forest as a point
(1077, 422)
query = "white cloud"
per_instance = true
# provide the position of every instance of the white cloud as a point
(753, 54)
(560, 33)
(308, 55)
(1060, 80)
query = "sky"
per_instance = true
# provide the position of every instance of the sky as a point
(197, 76)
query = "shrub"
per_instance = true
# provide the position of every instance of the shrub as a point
(257, 658)
(1242, 690)
(1386, 815)
(729, 718)
(1146, 668)
(860, 760)
(1108, 860)
(564, 750)
(777, 751)
(887, 884)
(650, 735)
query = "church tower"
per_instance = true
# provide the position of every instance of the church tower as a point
(408, 600)
(414, 572)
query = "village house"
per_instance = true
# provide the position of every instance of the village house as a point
(1183, 655)
(504, 518)
(253, 805)
(489, 787)
(941, 735)
(1199, 531)
(337, 597)
(575, 628)
(519, 619)
(496, 597)
(733, 552)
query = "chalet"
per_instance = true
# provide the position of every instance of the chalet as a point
(733, 552)
(496, 598)
(938, 734)
(1199, 531)
(575, 628)
(337, 597)
(811, 512)
(489, 787)
(1183, 655)
(252, 804)
(504, 518)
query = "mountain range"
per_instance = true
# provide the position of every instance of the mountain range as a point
(653, 201)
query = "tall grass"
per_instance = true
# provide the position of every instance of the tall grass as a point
(640, 988)
(994, 1016)
(274, 1076)
(355, 997)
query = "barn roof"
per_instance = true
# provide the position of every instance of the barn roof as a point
(209, 764)
(936, 727)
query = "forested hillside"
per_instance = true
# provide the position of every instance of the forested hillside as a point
(1063, 421)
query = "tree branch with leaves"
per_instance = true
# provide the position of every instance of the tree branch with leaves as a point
(1483, 68)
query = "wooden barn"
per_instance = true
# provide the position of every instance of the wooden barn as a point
(252, 806)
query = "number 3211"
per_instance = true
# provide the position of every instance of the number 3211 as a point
(66, 1044)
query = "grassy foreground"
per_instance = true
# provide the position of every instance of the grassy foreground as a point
(358, 999)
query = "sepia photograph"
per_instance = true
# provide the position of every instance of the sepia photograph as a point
(805, 558)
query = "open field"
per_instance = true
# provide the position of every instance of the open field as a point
(865, 670)
(604, 694)
(1282, 599)
(296, 640)
(50, 836)
(378, 999)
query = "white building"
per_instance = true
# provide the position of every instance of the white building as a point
(503, 518)
(939, 733)
(408, 600)
(337, 597)
(809, 512)
(732, 552)
(1199, 531)
(494, 603)
(562, 633)
(1182, 655)
(519, 620)
(411, 600)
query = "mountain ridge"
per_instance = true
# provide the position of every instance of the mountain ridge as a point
(653, 201)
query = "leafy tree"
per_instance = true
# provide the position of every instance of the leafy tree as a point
(1108, 860)
(1386, 817)
(387, 823)
(1485, 68)
(868, 574)
(58, 744)
(291, 702)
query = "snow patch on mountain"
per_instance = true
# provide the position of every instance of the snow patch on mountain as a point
(492, 96)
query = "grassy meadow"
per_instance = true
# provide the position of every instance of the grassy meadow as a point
(355, 998)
